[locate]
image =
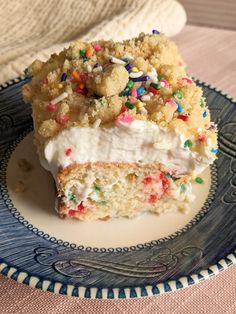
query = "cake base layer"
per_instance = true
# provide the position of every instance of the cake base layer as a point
(102, 191)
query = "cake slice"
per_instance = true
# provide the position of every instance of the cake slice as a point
(121, 126)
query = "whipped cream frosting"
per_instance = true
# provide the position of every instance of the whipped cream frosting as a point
(139, 142)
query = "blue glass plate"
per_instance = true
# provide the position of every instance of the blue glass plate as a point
(29, 254)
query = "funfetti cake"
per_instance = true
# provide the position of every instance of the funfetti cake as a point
(121, 126)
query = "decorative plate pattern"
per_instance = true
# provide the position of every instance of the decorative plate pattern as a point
(204, 247)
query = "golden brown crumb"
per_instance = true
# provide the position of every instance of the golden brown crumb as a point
(111, 82)
(20, 187)
(24, 165)
(105, 218)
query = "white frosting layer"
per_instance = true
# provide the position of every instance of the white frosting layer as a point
(139, 142)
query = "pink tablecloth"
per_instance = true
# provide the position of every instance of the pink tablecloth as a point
(210, 54)
(214, 296)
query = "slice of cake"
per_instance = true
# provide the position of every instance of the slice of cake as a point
(121, 126)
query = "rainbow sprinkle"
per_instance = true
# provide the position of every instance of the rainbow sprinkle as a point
(156, 85)
(96, 188)
(139, 104)
(124, 119)
(204, 114)
(183, 117)
(147, 180)
(82, 52)
(130, 84)
(72, 197)
(141, 79)
(89, 52)
(76, 76)
(63, 119)
(135, 74)
(96, 123)
(140, 90)
(117, 61)
(126, 92)
(199, 180)
(59, 98)
(68, 152)
(178, 94)
(188, 143)
(171, 102)
(133, 92)
(80, 208)
(179, 108)
(97, 47)
(153, 90)
(80, 90)
(129, 105)
(135, 69)
(201, 138)
(185, 80)
(202, 103)
(164, 83)
(72, 213)
(63, 77)
(128, 66)
(214, 150)
(152, 198)
(51, 107)
(161, 77)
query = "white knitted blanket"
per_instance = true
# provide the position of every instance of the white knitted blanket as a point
(35, 29)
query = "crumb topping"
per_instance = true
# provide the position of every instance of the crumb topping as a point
(142, 78)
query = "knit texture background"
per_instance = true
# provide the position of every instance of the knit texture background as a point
(35, 29)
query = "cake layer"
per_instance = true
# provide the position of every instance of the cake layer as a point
(140, 142)
(101, 191)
